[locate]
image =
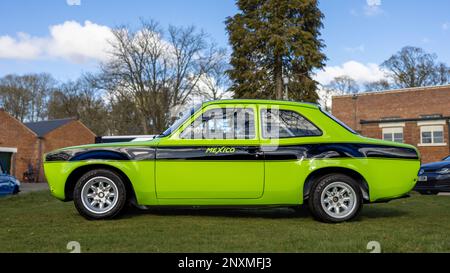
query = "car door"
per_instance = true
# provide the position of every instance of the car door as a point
(286, 132)
(214, 155)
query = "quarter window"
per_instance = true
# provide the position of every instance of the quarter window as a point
(393, 134)
(222, 123)
(278, 123)
(432, 134)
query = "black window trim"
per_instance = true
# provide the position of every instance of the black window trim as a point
(261, 124)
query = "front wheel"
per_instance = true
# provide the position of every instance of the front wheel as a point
(100, 194)
(335, 198)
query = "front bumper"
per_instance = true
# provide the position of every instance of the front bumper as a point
(435, 182)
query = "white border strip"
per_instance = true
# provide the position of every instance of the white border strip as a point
(8, 150)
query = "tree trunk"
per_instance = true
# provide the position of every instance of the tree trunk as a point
(278, 74)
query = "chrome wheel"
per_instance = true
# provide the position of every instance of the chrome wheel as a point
(99, 195)
(338, 200)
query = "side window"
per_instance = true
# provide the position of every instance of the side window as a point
(277, 123)
(222, 123)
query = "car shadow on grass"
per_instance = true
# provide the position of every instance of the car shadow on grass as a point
(269, 213)
(372, 211)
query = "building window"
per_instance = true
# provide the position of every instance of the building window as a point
(393, 134)
(432, 135)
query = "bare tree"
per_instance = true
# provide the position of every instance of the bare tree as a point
(78, 99)
(14, 98)
(343, 85)
(214, 85)
(413, 67)
(154, 72)
(379, 85)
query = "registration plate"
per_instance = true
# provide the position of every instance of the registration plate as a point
(423, 178)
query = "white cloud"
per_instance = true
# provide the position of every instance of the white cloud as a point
(73, 2)
(373, 7)
(445, 26)
(373, 2)
(22, 47)
(79, 43)
(70, 40)
(357, 49)
(426, 40)
(360, 72)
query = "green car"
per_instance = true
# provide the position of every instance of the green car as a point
(238, 153)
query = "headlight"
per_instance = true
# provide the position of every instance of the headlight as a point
(444, 171)
(421, 171)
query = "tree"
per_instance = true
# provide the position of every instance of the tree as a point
(413, 67)
(343, 85)
(14, 98)
(272, 40)
(156, 73)
(379, 85)
(214, 85)
(25, 97)
(78, 99)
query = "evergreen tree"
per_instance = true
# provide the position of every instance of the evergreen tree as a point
(273, 40)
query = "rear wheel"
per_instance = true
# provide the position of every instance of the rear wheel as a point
(335, 198)
(100, 194)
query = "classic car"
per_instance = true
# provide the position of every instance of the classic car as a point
(238, 153)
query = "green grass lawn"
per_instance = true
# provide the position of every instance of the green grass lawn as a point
(36, 222)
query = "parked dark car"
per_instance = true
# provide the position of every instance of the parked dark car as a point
(8, 184)
(434, 177)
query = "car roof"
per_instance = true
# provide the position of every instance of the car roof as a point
(260, 101)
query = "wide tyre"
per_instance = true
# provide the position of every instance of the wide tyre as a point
(100, 194)
(335, 198)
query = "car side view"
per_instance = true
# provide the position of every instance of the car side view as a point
(238, 153)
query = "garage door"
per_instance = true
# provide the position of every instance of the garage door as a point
(5, 160)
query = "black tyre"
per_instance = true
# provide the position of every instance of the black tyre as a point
(100, 194)
(335, 198)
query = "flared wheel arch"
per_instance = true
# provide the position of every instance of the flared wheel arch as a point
(329, 170)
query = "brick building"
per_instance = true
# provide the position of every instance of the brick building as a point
(22, 145)
(417, 116)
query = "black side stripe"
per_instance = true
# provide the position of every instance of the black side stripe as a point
(294, 152)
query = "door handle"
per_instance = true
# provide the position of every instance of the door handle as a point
(255, 151)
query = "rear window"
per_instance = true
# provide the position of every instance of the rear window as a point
(278, 123)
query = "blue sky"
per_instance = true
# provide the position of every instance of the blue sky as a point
(65, 39)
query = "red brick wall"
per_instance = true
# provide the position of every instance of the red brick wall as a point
(73, 133)
(14, 134)
(405, 104)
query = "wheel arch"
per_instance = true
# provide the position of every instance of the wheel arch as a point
(364, 186)
(80, 171)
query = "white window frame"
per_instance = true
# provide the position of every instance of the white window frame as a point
(431, 127)
(392, 131)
